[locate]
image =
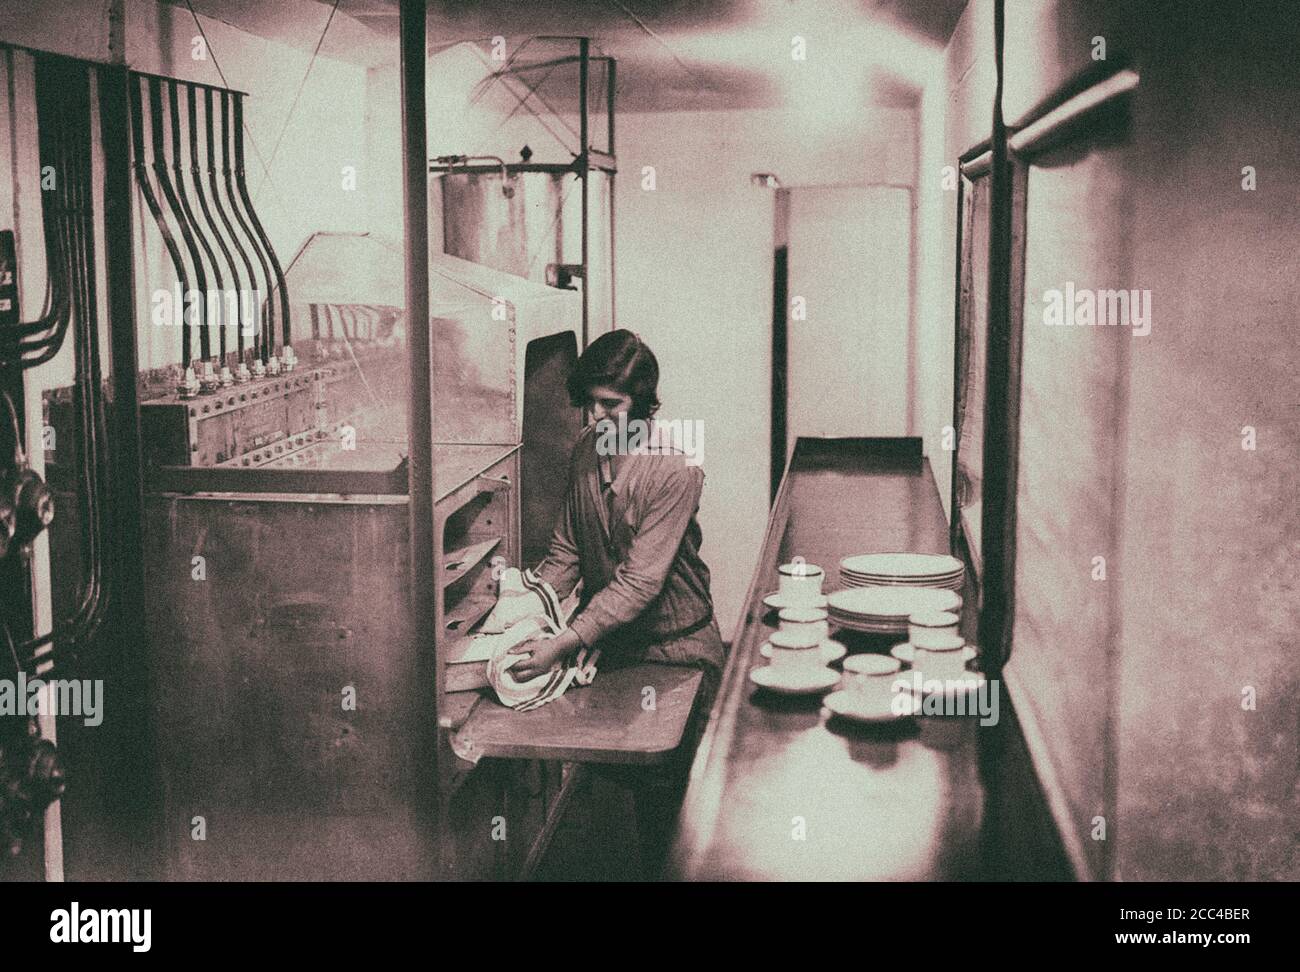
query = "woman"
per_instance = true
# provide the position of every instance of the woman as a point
(628, 530)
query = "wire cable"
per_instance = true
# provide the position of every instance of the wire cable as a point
(275, 149)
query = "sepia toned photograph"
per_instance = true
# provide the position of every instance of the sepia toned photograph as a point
(649, 442)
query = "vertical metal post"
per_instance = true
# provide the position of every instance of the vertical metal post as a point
(955, 531)
(997, 542)
(584, 160)
(415, 165)
(127, 472)
(778, 442)
(609, 178)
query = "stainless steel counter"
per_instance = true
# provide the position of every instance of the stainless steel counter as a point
(779, 791)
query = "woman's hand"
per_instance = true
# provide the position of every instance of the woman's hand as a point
(541, 655)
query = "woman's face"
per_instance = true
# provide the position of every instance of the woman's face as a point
(607, 403)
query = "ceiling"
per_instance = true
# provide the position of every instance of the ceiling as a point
(672, 54)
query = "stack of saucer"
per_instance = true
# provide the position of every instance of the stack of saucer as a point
(902, 570)
(799, 654)
(885, 610)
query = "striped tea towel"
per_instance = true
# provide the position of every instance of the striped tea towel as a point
(516, 601)
(548, 617)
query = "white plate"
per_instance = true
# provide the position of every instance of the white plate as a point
(878, 629)
(832, 650)
(864, 707)
(884, 603)
(857, 580)
(906, 653)
(954, 585)
(902, 564)
(775, 600)
(896, 578)
(797, 682)
(869, 621)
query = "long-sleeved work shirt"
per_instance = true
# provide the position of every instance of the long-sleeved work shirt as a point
(635, 544)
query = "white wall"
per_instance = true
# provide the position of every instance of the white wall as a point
(848, 345)
(694, 278)
(936, 223)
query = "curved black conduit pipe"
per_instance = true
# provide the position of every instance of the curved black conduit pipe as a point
(151, 201)
(210, 132)
(228, 167)
(192, 222)
(89, 387)
(44, 336)
(69, 154)
(174, 204)
(196, 177)
(51, 311)
(285, 337)
(74, 168)
(65, 146)
(80, 277)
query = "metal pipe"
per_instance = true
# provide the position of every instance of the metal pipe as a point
(452, 161)
(584, 57)
(178, 170)
(174, 204)
(257, 225)
(609, 180)
(210, 133)
(196, 175)
(127, 475)
(229, 163)
(44, 336)
(88, 387)
(196, 84)
(74, 202)
(47, 119)
(553, 62)
(997, 576)
(420, 417)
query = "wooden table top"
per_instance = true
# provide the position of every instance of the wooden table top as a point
(779, 791)
(632, 715)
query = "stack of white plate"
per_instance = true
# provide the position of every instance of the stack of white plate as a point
(902, 570)
(885, 610)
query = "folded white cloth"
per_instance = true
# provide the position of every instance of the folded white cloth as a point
(528, 607)
(516, 601)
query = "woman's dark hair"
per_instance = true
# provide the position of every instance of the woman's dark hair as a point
(619, 360)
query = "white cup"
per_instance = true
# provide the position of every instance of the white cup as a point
(798, 657)
(872, 674)
(943, 657)
(799, 583)
(801, 620)
(929, 627)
